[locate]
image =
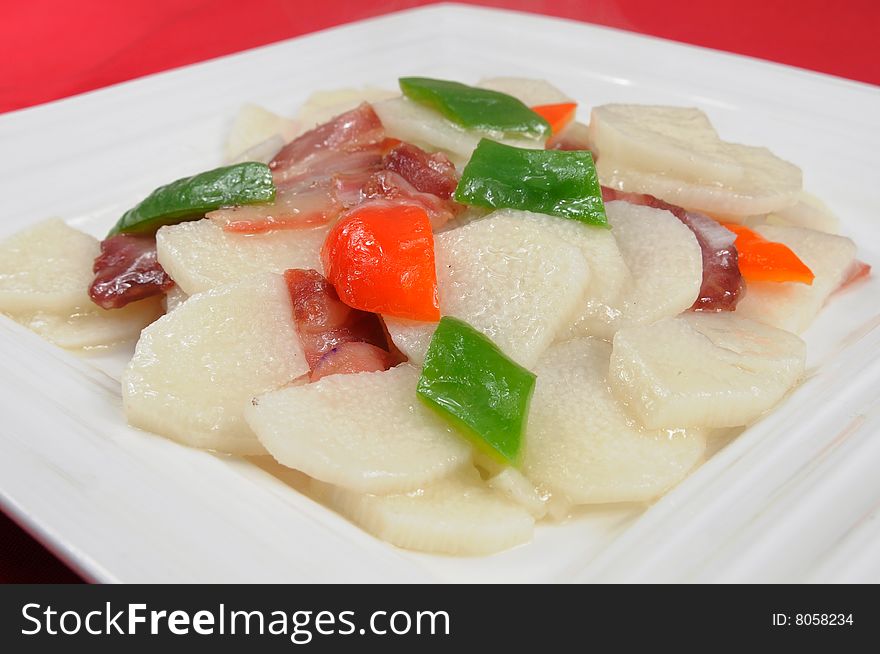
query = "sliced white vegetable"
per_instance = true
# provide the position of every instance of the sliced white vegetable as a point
(675, 154)
(704, 370)
(598, 246)
(575, 136)
(196, 368)
(264, 151)
(47, 267)
(174, 298)
(411, 337)
(200, 255)
(93, 326)
(794, 306)
(678, 141)
(412, 122)
(457, 516)
(257, 134)
(559, 508)
(321, 106)
(662, 274)
(510, 278)
(367, 432)
(582, 445)
(514, 485)
(809, 212)
(768, 184)
(529, 91)
(254, 125)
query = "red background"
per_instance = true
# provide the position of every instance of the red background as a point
(54, 49)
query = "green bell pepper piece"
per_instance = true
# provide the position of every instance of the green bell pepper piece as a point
(555, 182)
(191, 198)
(475, 108)
(476, 388)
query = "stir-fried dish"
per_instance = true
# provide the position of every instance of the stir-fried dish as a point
(456, 309)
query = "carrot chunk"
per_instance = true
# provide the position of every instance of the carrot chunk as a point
(558, 115)
(761, 260)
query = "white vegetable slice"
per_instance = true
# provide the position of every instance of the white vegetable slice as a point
(529, 91)
(704, 370)
(174, 298)
(263, 152)
(768, 184)
(366, 432)
(809, 212)
(412, 122)
(662, 274)
(254, 125)
(580, 443)
(512, 279)
(93, 326)
(675, 154)
(575, 136)
(411, 337)
(457, 516)
(677, 141)
(514, 485)
(195, 369)
(47, 268)
(794, 306)
(608, 270)
(321, 106)
(200, 255)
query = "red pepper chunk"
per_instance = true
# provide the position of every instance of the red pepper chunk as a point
(380, 258)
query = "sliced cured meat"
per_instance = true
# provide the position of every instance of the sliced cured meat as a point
(325, 105)
(293, 208)
(127, 270)
(722, 284)
(388, 185)
(253, 126)
(325, 323)
(427, 173)
(318, 150)
(340, 164)
(352, 357)
(313, 175)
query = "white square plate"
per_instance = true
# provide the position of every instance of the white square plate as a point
(794, 498)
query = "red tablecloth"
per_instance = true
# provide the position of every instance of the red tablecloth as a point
(52, 49)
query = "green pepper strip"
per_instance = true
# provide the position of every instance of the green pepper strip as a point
(192, 197)
(555, 182)
(475, 387)
(475, 108)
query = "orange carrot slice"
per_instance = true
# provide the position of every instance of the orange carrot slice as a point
(558, 115)
(761, 260)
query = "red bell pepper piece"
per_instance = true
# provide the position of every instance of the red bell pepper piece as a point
(380, 258)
